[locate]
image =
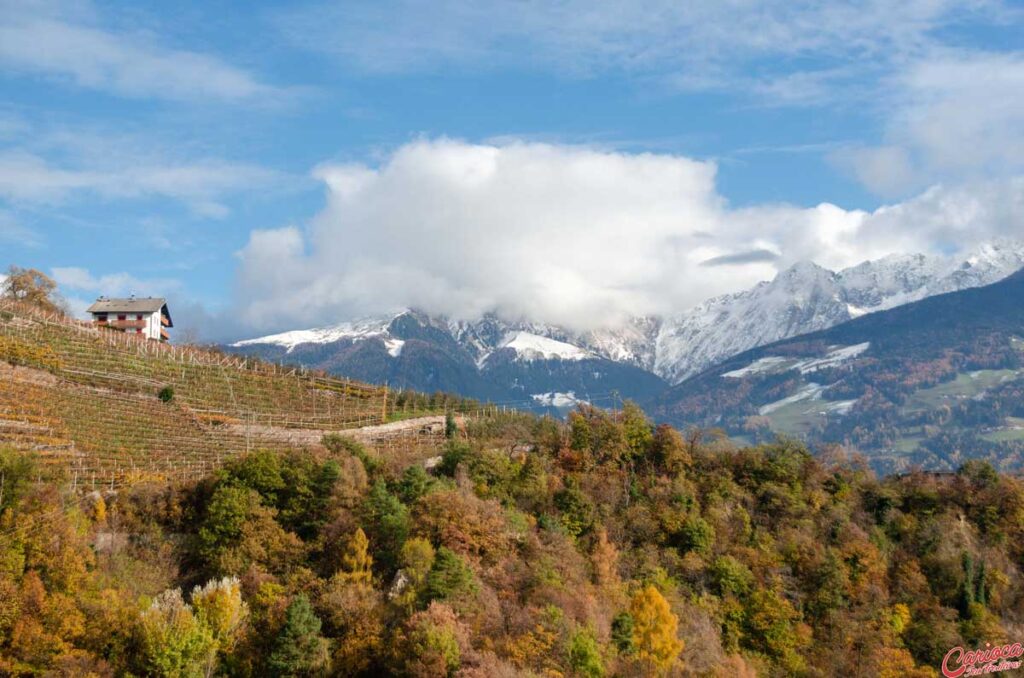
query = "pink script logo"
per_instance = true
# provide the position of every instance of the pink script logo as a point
(960, 662)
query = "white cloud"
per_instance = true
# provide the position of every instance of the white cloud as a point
(38, 38)
(788, 51)
(566, 234)
(201, 184)
(112, 284)
(952, 116)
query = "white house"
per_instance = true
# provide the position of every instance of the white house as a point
(146, 316)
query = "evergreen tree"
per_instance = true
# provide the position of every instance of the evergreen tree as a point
(980, 595)
(622, 633)
(448, 575)
(388, 521)
(967, 588)
(298, 649)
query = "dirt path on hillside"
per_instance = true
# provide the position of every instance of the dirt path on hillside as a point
(427, 426)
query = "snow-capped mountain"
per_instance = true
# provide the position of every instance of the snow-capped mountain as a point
(526, 364)
(807, 298)
(496, 358)
(869, 383)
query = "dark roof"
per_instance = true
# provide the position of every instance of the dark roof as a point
(131, 305)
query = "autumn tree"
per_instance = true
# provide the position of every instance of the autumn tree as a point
(431, 643)
(655, 629)
(32, 287)
(174, 641)
(357, 562)
(219, 607)
(417, 559)
(604, 559)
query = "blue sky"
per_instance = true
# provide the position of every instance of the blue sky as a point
(296, 164)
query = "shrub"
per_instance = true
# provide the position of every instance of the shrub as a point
(166, 394)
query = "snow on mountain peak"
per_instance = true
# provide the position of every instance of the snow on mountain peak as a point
(357, 330)
(536, 347)
(802, 298)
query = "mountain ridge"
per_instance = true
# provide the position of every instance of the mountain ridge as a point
(642, 352)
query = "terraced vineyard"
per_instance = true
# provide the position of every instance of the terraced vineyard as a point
(89, 399)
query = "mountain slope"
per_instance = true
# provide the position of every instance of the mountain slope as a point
(930, 382)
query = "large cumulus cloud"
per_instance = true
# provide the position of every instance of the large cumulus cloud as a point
(565, 234)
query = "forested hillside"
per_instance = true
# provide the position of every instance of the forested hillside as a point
(600, 546)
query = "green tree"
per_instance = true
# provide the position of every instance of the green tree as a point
(388, 522)
(174, 642)
(17, 473)
(576, 507)
(637, 429)
(968, 587)
(298, 650)
(697, 535)
(227, 514)
(770, 628)
(622, 633)
(449, 574)
(417, 559)
(238, 531)
(585, 654)
(581, 438)
(730, 576)
(415, 483)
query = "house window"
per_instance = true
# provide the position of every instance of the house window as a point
(138, 317)
(122, 316)
(102, 317)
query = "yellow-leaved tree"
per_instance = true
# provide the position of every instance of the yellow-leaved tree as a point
(654, 629)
